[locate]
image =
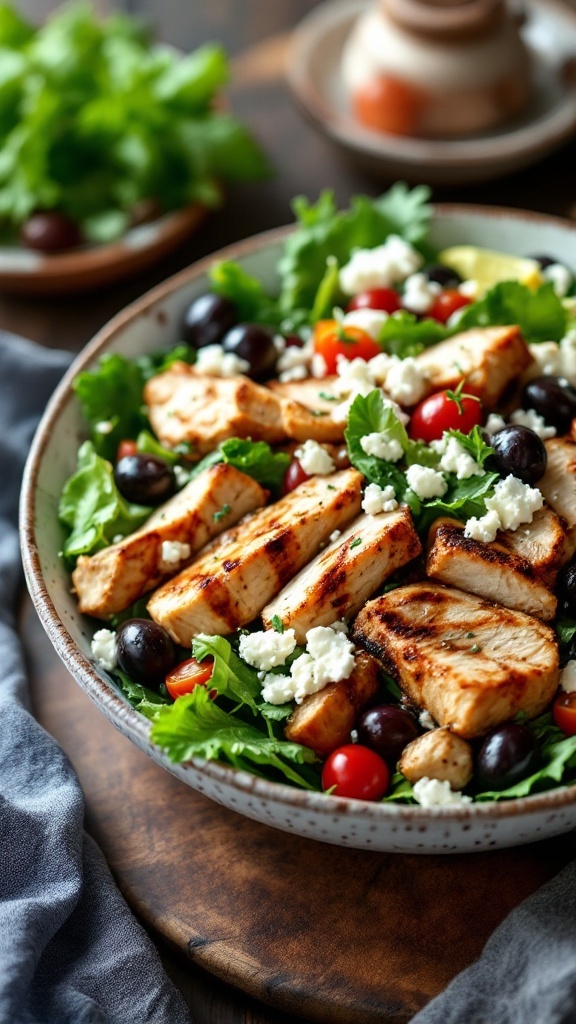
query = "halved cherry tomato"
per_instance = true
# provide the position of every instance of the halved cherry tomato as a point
(447, 303)
(564, 713)
(385, 299)
(446, 410)
(126, 448)
(389, 105)
(331, 340)
(356, 771)
(189, 674)
(293, 477)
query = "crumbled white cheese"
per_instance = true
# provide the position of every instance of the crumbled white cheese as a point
(213, 361)
(181, 475)
(318, 366)
(405, 382)
(334, 536)
(369, 320)
(515, 502)
(379, 267)
(547, 357)
(494, 423)
(103, 648)
(378, 367)
(483, 529)
(267, 649)
(437, 793)
(426, 721)
(104, 427)
(469, 289)
(314, 459)
(354, 376)
(173, 552)
(419, 293)
(340, 626)
(568, 357)
(329, 658)
(382, 445)
(379, 499)
(294, 363)
(560, 277)
(530, 418)
(568, 678)
(426, 482)
(455, 459)
(117, 538)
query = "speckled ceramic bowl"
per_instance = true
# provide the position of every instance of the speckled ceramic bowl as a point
(149, 324)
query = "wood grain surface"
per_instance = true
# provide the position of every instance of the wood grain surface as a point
(316, 931)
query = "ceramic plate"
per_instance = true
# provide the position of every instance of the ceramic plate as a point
(153, 322)
(314, 78)
(36, 273)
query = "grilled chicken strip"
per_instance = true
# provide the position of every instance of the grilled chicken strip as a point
(341, 578)
(240, 572)
(488, 359)
(306, 414)
(471, 664)
(490, 570)
(438, 754)
(544, 543)
(558, 485)
(324, 720)
(112, 579)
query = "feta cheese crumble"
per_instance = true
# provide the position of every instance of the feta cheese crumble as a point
(405, 382)
(329, 658)
(314, 459)
(553, 360)
(568, 678)
(334, 536)
(213, 361)
(560, 277)
(382, 445)
(530, 418)
(379, 267)
(369, 320)
(426, 482)
(514, 502)
(294, 363)
(437, 793)
(419, 293)
(173, 552)
(426, 721)
(103, 647)
(455, 459)
(483, 528)
(494, 423)
(267, 649)
(379, 499)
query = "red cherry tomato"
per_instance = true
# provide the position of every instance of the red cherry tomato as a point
(189, 674)
(446, 410)
(356, 771)
(388, 104)
(126, 448)
(293, 477)
(564, 713)
(376, 298)
(445, 304)
(331, 340)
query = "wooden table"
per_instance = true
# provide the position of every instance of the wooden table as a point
(255, 32)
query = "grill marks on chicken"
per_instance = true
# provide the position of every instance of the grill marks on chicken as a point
(341, 578)
(238, 574)
(471, 664)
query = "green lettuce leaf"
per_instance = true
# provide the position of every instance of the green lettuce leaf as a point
(111, 398)
(196, 727)
(255, 458)
(252, 302)
(403, 334)
(231, 676)
(158, 362)
(557, 763)
(566, 630)
(92, 507)
(142, 699)
(147, 443)
(540, 314)
(463, 500)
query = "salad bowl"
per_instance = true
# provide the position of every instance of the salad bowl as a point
(153, 323)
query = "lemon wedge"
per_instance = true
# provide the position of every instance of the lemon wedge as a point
(487, 268)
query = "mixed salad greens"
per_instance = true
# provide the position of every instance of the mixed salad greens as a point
(227, 718)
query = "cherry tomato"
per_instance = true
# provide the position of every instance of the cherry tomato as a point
(376, 298)
(388, 104)
(187, 675)
(293, 477)
(446, 410)
(564, 713)
(445, 304)
(126, 448)
(331, 340)
(356, 771)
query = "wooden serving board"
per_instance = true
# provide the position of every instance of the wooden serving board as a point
(330, 934)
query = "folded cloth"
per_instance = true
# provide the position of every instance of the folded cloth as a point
(70, 950)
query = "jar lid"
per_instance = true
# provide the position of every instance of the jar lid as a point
(445, 19)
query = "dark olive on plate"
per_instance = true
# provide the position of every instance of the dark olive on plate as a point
(144, 479)
(254, 344)
(553, 399)
(145, 651)
(443, 275)
(566, 588)
(508, 754)
(544, 261)
(519, 450)
(387, 729)
(207, 320)
(50, 231)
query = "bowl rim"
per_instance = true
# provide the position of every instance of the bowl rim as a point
(103, 692)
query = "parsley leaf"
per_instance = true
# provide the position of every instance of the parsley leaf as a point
(473, 443)
(277, 624)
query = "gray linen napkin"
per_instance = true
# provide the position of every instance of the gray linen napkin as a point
(70, 950)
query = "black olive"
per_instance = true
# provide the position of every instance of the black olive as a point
(254, 344)
(144, 479)
(387, 729)
(519, 450)
(553, 399)
(50, 231)
(145, 651)
(442, 275)
(507, 755)
(207, 320)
